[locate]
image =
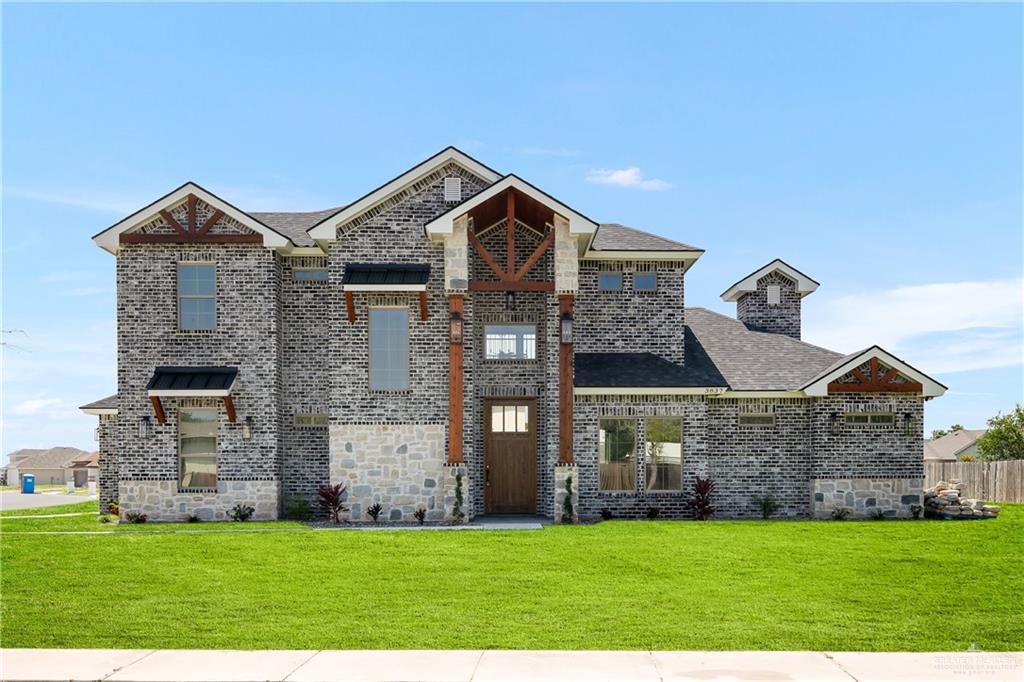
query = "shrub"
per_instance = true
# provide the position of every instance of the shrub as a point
(298, 509)
(331, 500)
(114, 507)
(374, 511)
(192, 518)
(104, 518)
(420, 515)
(241, 512)
(700, 503)
(606, 514)
(652, 513)
(915, 510)
(135, 517)
(967, 458)
(567, 510)
(877, 515)
(767, 504)
(841, 513)
(457, 514)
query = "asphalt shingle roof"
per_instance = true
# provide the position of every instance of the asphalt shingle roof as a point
(386, 273)
(294, 225)
(753, 360)
(952, 444)
(611, 370)
(54, 458)
(108, 403)
(615, 237)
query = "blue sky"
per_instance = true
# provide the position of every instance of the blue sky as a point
(876, 147)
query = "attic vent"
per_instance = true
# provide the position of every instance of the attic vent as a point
(773, 294)
(453, 189)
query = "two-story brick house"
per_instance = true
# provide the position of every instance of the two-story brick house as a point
(459, 327)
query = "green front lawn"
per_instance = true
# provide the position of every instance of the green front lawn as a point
(872, 585)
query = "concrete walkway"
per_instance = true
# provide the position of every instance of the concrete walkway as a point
(43, 665)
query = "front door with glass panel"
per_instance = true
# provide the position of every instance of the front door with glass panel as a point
(510, 457)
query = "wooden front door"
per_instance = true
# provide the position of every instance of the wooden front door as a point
(510, 456)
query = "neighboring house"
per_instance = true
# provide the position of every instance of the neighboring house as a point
(460, 327)
(55, 466)
(954, 445)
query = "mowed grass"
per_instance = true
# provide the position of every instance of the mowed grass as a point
(871, 586)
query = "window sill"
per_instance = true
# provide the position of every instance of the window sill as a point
(388, 391)
(617, 493)
(191, 332)
(510, 361)
(193, 491)
(664, 493)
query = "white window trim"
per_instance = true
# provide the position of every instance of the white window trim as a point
(216, 288)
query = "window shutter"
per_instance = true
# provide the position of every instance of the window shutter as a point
(452, 189)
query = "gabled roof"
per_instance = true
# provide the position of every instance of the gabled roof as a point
(818, 384)
(53, 458)
(443, 225)
(326, 228)
(804, 284)
(616, 237)
(109, 239)
(294, 225)
(952, 444)
(753, 360)
(106, 405)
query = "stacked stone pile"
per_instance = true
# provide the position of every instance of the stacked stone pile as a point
(944, 500)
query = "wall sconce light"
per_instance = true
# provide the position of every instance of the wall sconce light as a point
(510, 300)
(247, 429)
(834, 422)
(145, 427)
(566, 328)
(96, 434)
(455, 323)
(908, 424)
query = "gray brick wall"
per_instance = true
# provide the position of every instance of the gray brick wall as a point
(753, 309)
(108, 460)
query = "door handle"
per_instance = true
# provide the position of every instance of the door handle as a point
(487, 475)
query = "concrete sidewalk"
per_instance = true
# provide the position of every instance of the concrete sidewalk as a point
(44, 665)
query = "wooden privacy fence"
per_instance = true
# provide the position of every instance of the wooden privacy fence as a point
(999, 481)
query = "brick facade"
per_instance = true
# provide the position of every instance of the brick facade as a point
(784, 318)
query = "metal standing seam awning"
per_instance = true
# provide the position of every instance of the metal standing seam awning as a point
(385, 277)
(192, 382)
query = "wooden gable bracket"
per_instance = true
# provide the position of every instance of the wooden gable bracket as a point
(191, 233)
(158, 409)
(876, 383)
(229, 407)
(350, 307)
(423, 306)
(510, 278)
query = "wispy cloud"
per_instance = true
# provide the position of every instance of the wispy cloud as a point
(92, 200)
(630, 177)
(36, 406)
(546, 151)
(940, 328)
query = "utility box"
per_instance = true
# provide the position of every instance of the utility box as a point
(28, 484)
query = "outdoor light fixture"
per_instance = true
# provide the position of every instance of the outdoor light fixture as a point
(455, 327)
(510, 300)
(566, 328)
(834, 420)
(145, 427)
(96, 434)
(908, 423)
(247, 428)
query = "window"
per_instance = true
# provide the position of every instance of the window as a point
(197, 303)
(865, 418)
(311, 420)
(197, 449)
(663, 450)
(757, 419)
(510, 342)
(389, 349)
(645, 281)
(510, 418)
(311, 275)
(609, 281)
(774, 294)
(616, 446)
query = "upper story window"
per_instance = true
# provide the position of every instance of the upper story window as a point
(645, 281)
(197, 449)
(609, 281)
(866, 418)
(389, 349)
(311, 274)
(774, 294)
(510, 342)
(616, 448)
(197, 296)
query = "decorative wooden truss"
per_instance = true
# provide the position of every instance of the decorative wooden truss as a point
(191, 232)
(510, 278)
(877, 382)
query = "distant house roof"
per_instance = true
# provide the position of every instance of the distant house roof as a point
(386, 274)
(192, 381)
(757, 361)
(616, 237)
(88, 459)
(294, 225)
(53, 458)
(952, 444)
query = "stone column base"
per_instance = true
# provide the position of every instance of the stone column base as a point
(866, 497)
(566, 476)
(456, 482)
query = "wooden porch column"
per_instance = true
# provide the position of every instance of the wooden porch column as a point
(455, 306)
(565, 353)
